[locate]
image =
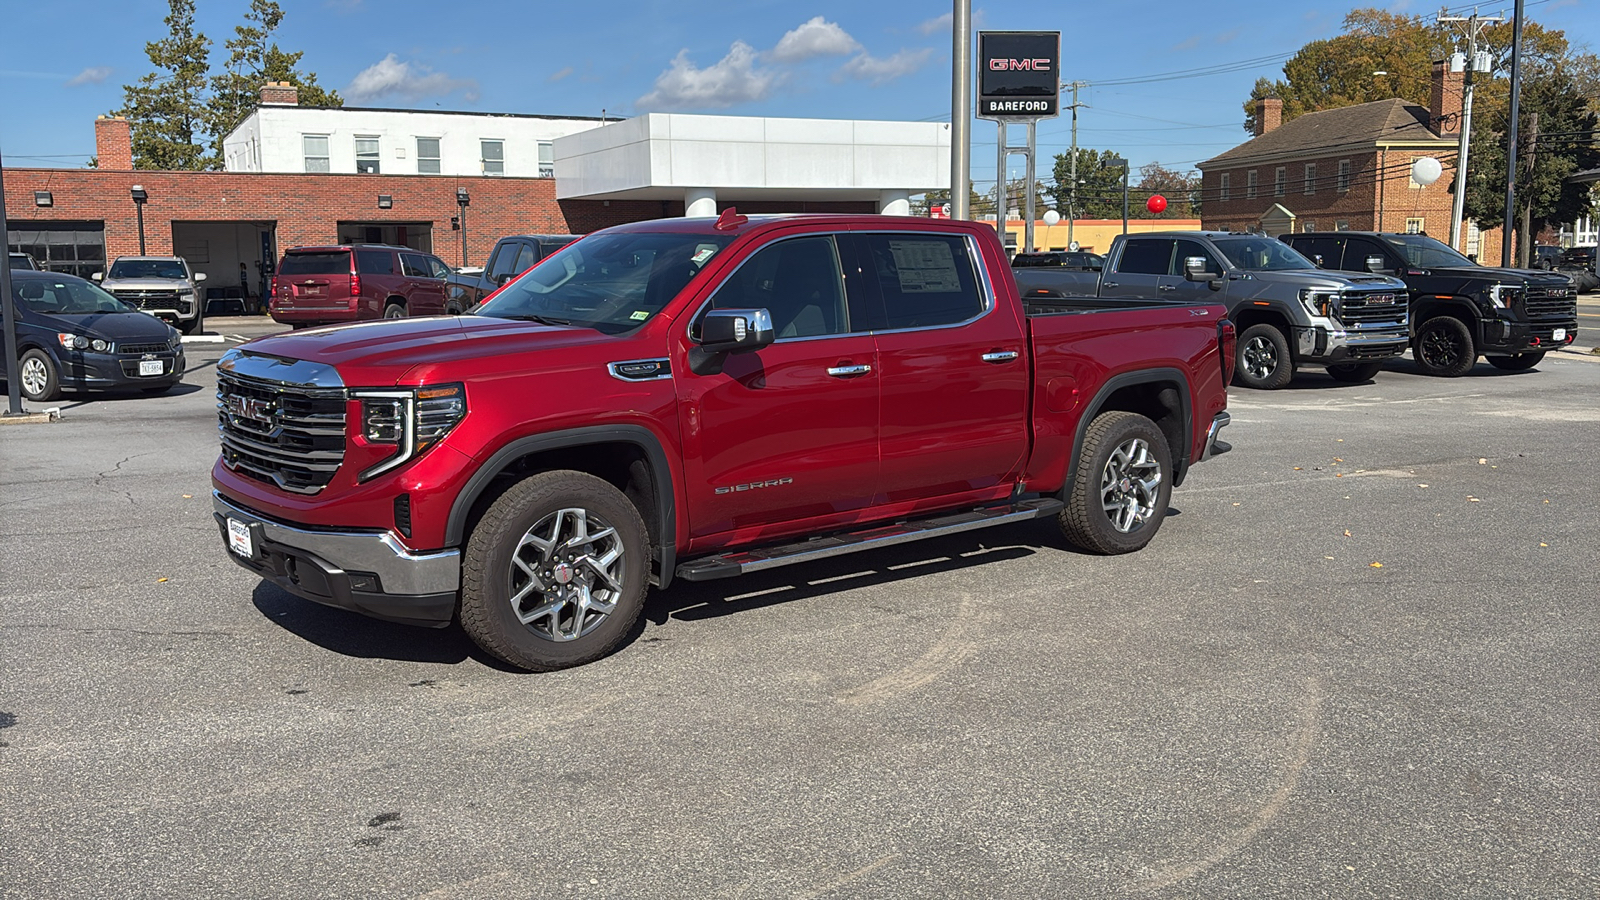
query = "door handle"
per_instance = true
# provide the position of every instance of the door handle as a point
(1000, 356)
(848, 371)
(1108, 284)
(1167, 287)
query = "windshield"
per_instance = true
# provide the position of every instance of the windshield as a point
(1425, 252)
(64, 295)
(148, 268)
(612, 282)
(1262, 254)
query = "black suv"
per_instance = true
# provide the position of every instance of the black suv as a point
(1459, 309)
(1579, 264)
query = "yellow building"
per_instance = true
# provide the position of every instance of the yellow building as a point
(1093, 235)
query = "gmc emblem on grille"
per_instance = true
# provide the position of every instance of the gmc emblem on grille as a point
(251, 409)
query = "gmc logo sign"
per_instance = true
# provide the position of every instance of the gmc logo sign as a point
(250, 409)
(1021, 65)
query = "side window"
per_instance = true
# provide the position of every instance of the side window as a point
(548, 247)
(1326, 247)
(1186, 249)
(440, 270)
(374, 262)
(1356, 251)
(526, 257)
(925, 280)
(1146, 256)
(798, 281)
(504, 262)
(415, 266)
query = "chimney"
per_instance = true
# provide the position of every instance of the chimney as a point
(113, 143)
(1269, 115)
(1444, 103)
(279, 93)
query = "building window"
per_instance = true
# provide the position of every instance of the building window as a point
(1343, 184)
(315, 147)
(1311, 178)
(367, 154)
(547, 159)
(1250, 185)
(427, 156)
(76, 248)
(494, 157)
(1415, 225)
(1309, 226)
(1341, 224)
(1227, 182)
(1280, 182)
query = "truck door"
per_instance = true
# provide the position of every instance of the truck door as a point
(785, 436)
(424, 287)
(1194, 291)
(954, 369)
(1140, 271)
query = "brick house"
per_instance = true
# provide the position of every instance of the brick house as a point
(1345, 169)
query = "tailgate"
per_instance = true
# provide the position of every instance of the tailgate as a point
(314, 280)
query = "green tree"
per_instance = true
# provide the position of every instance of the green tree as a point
(1099, 189)
(1017, 198)
(921, 205)
(166, 109)
(254, 60)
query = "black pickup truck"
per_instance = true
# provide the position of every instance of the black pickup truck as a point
(1459, 309)
(511, 256)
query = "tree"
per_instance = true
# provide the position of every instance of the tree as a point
(253, 60)
(1099, 189)
(1017, 197)
(922, 205)
(166, 109)
(1182, 190)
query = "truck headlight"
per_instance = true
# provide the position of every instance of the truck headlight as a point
(412, 420)
(1317, 303)
(1503, 295)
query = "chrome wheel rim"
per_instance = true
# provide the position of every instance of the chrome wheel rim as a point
(1439, 348)
(33, 375)
(1260, 357)
(394, 312)
(1130, 484)
(566, 574)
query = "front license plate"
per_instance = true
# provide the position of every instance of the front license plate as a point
(149, 367)
(1560, 334)
(239, 539)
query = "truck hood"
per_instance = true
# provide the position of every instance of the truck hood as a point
(381, 352)
(1498, 275)
(1323, 279)
(145, 284)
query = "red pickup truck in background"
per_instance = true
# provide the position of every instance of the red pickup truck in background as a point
(698, 398)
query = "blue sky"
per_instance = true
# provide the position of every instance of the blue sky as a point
(887, 59)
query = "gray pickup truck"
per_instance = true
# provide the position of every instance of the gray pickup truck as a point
(163, 286)
(1288, 312)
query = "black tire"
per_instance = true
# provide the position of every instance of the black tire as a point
(1443, 347)
(1102, 478)
(490, 577)
(394, 311)
(196, 325)
(1355, 373)
(37, 378)
(1519, 363)
(1262, 360)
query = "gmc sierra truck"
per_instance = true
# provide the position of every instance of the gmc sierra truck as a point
(696, 399)
(1288, 312)
(1459, 309)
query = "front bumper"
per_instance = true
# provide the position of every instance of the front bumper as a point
(108, 371)
(368, 572)
(1320, 345)
(1503, 336)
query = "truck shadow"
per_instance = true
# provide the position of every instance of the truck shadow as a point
(351, 634)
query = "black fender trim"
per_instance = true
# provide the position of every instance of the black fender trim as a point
(1180, 457)
(638, 435)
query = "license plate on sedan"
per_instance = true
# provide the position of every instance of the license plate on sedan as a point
(149, 367)
(1560, 334)
(239, 539)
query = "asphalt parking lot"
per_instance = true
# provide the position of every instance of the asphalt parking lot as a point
(1359, 660)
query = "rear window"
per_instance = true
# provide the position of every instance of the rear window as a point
(336, 262)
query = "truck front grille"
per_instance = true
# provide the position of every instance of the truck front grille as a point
(288, 436)
(1372, 310)
(1544, 303)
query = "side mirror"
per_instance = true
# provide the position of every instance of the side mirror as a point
(502, 278)
(199, 277)
(725, 331)
(98, 276)
(1375, 265)
(1317, 258)
(1194, 269)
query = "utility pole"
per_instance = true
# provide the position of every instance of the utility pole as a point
(1511, 135)
(961, 110)
(1072, 189)
(1475, 25)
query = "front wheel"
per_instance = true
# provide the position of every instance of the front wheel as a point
(1519, 363)
(1263, 361)
(1443, 347)
(555, 572)
(1355, 373)
(38, 376)
(196, 325)
(1121, 488)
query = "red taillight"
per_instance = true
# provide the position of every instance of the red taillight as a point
(1227, 341)
(355, 286)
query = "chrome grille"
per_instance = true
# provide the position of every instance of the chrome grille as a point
(286, 435)
(1550, 303)
(1372, 309)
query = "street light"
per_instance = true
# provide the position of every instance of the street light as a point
(462, 200)
(1118, 162)
(139, 197)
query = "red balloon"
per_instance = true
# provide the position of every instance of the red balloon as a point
(1156, 204)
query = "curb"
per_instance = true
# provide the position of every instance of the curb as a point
(53, 414)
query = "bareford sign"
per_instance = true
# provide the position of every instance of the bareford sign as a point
(1019, 74)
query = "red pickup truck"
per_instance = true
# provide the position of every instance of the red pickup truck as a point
(695, 399)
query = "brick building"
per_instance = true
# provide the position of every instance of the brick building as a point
(1345, 169)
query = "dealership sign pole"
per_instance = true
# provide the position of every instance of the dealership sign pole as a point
(961, 110)
(13, 382)
(1019, 81)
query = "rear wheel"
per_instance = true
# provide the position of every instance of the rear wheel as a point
(1443, 347)
(1263, 359)
(394, 311)
(1355, 373)
(1520, 362)
(38, 376)
(555, 572)
(1122, 486)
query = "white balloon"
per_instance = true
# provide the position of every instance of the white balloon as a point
(1051, 217)
(1426, 171)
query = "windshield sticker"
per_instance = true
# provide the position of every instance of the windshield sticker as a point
(925, 267)
(639, 315)
(704, 253)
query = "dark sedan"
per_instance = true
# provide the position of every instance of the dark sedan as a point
(73, 335)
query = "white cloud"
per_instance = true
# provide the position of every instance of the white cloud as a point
(731, 80)
(866, 67)
(389, 77)
(557, 76)
(811, 40)
(91, 75)
(937, 24)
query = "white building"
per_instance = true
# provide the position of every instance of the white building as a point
(283, 137)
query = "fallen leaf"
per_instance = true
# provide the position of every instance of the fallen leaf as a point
(1297, 468)
(1543, 544)
(1327, 557)
(1340, 440)
(1236, 504)
(1377, 565)
(1483, 462)
(188, 496)
(1338, 474)
(1547, 501)
(1473, 500)
(1421, 485)
(1337, 459)
(159, 580)
(1347, 532)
